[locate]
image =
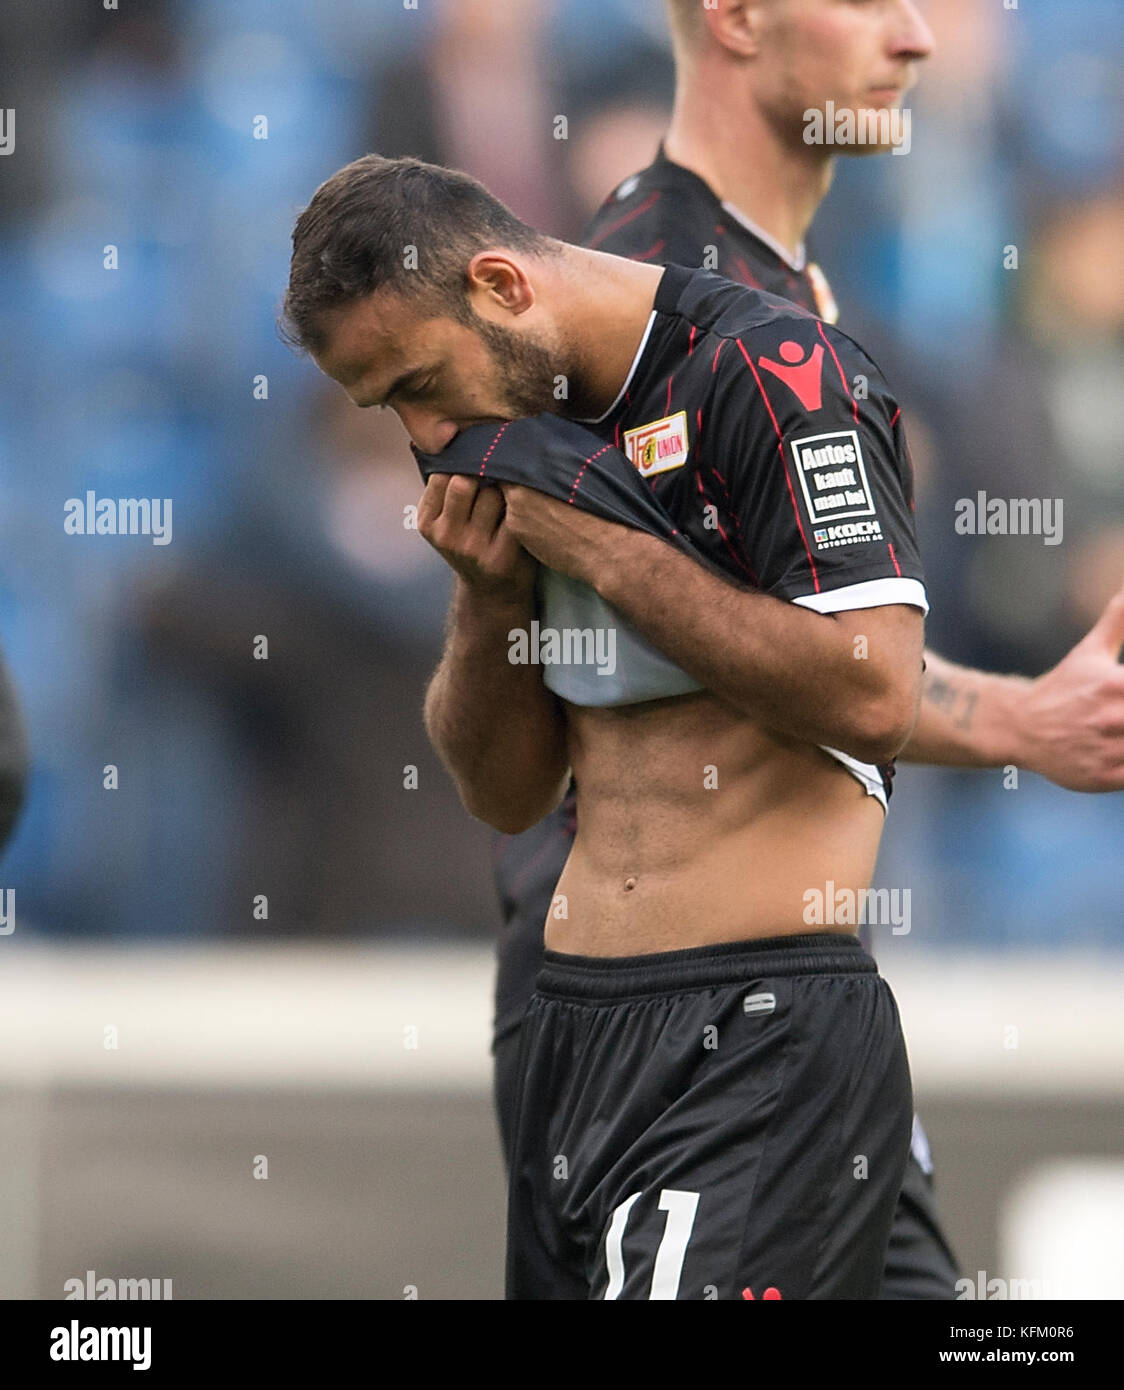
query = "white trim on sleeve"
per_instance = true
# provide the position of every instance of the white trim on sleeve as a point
(873, 593)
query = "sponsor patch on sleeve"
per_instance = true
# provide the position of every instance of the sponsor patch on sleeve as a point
(836, 489)
(655, 447)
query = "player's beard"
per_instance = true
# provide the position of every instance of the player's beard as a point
(529, 372)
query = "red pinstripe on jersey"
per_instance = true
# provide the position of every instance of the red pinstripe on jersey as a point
(839, 368)
(649, 202)
(787, 479)
(585, 465)
(491, 447)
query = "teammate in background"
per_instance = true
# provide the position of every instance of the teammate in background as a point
(734, 188)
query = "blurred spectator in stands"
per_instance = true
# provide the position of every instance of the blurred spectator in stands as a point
(479, 94)
(333, 828)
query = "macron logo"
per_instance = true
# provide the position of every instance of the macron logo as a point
(803, 379)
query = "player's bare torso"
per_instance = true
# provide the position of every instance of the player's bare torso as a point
(697, 826)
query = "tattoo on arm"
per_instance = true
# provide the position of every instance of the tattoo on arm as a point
(939, 692)
(960, 705)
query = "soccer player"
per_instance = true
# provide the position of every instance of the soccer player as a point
(734, 187)
(714, 1100)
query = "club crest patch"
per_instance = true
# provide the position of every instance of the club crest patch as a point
(656, 447)
(836, 489)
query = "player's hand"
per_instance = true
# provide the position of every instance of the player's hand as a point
(464, 521)
(1072, 719)
(564, 537)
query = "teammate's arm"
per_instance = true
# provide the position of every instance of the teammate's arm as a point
(496, 727)
(1067, 725)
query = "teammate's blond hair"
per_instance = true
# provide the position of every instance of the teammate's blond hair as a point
(685, 20)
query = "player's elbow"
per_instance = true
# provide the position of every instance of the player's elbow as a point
(881, 726)
(881, 746)
(502, 820)
(510, 813)
(877, 698)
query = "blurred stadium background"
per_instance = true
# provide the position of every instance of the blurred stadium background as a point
(289, 1037)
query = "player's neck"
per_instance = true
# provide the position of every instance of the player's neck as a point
(609, 303)
(777, 184)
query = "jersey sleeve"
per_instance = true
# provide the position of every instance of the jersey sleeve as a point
(820, 478)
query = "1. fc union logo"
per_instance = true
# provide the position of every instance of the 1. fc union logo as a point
(658, 446)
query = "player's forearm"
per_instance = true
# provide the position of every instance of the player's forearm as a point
(791, 669)
(495, 726)
(968, 718)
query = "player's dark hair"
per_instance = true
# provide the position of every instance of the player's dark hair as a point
(398, 224)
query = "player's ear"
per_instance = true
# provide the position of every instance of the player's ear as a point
(496, 279)
(736, 25)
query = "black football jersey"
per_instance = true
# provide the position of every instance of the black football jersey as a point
(774, 443)
(758, 438)
(668, 215)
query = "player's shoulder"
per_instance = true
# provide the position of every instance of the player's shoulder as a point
(723, 308)
(634, 198)
(798, 336)
(769, 350)
(654, 214)
(774, 333)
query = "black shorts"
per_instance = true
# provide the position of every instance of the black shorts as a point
(723, 1122)
(919, 1261)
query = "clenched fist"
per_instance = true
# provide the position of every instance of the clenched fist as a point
(463, 519)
